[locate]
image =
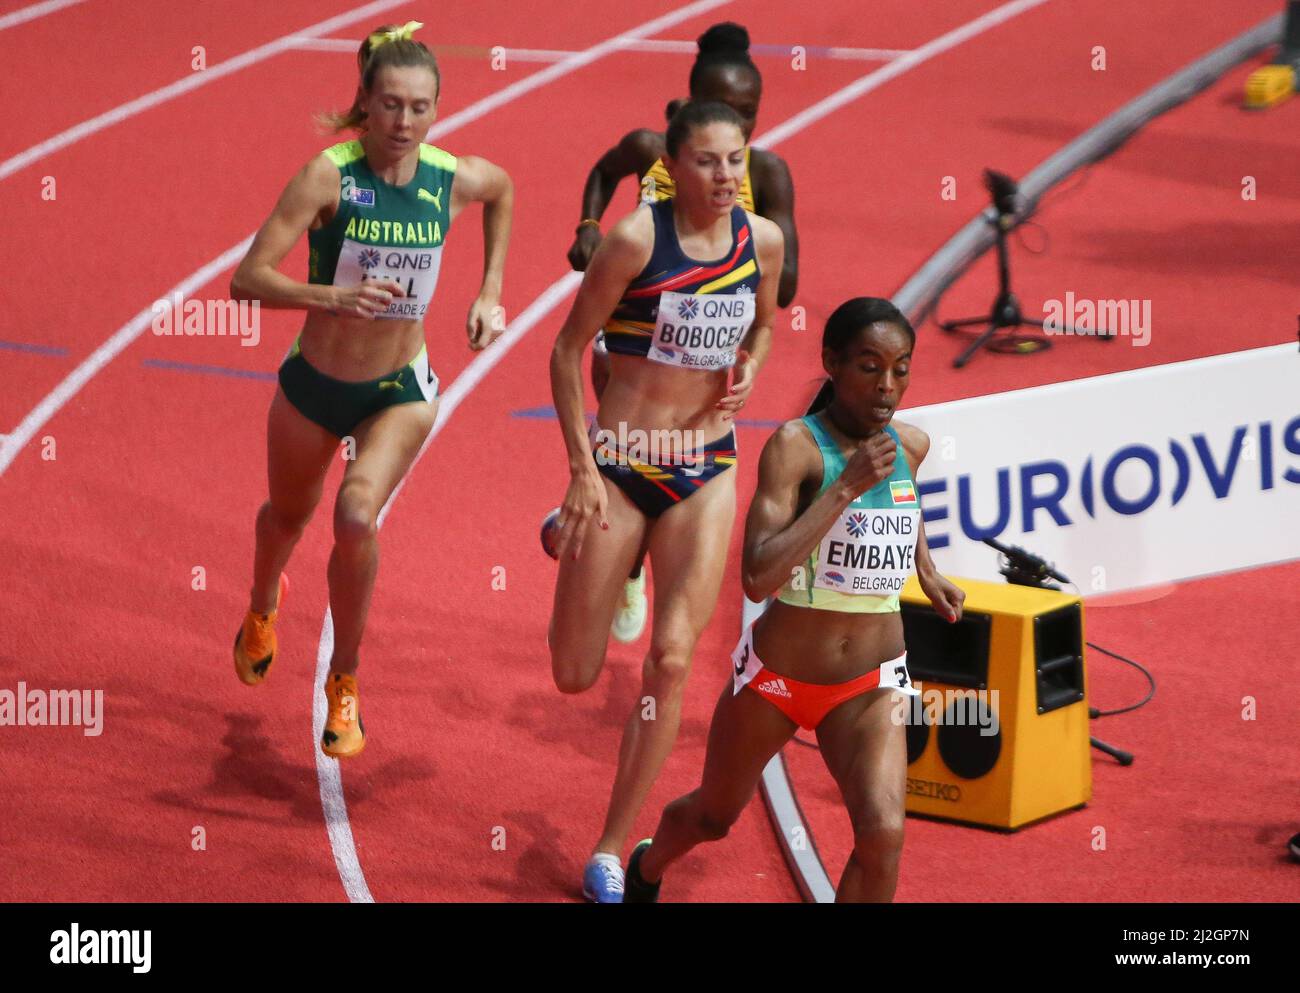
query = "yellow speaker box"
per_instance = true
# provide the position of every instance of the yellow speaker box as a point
(999, 734)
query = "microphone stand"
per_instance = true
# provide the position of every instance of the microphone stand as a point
(1006, 312)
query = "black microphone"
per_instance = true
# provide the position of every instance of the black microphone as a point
(1003, 189)
(1026, 561)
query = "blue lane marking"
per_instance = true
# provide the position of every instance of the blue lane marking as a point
(547, 413)
(22, 346)
(213, 370)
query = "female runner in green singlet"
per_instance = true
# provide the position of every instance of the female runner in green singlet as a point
(376, 211)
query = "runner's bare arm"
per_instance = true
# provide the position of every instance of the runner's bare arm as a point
(752, 352)
(778, 539)
(777, 204)
(769, 247)
(774, 550)
(480, 181)
(634, 153)
(313, 190)
(946, 597)
(616, 263)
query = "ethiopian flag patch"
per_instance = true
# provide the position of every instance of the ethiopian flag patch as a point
(902, 491)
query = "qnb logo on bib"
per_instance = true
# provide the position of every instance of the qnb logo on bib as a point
(868, 552)
(414, 269)
(700, 331)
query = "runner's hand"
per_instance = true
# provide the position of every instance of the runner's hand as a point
(869, 465)
(484, 324)
(369, 299)
(945, 596)
(584, 246)
(584, 504)
(742, 384)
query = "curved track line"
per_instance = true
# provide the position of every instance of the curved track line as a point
(13, 443)
(331, 784)
(331, 780)
(327, 769)
(75, 380)
(345, 855)
(120, 113)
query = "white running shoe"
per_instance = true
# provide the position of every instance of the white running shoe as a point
(629, 622)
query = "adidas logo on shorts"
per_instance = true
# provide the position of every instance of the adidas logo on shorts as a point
(774, 686)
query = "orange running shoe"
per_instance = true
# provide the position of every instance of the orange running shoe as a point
(255, 642)
(344, 734)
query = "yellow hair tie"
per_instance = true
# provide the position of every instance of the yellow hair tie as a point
(397, 34)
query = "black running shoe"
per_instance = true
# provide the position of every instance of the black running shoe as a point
(636, 889)
(1295, 848)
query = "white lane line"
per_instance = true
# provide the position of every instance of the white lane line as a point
(325, 45)
(331, 782)
(539, 308)
(783, 805)
(327, 769)
(109, 350)
(460, 388)
(25, 14)
(867, 54)
(571, 64)
(534, 313)
(650, 45)
(330, 777)
(193, 81)
(690, 48)
(895, 68)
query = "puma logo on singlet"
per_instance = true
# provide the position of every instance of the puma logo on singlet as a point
(391, 384)
(433, 198)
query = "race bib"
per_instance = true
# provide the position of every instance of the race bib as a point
(425, 378)
(894, 674)
(745, 664)
(700, 330)
(414, 269)
(869, 552)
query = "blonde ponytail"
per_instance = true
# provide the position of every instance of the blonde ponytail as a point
(388, 45)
